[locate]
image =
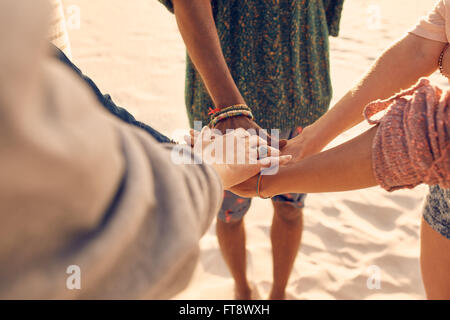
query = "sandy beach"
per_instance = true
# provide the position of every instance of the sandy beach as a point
(134, 52)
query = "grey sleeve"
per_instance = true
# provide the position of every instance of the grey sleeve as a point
(153, 233)
(179, 175)
(181, 206)
(202, 182)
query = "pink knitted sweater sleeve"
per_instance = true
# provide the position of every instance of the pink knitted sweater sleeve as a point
(412, 143)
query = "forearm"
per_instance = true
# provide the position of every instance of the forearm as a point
(398, 68)
(197, 27)
(345, 167)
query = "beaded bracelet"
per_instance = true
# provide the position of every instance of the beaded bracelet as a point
(441, 58)
(216, 112)
(230, 114)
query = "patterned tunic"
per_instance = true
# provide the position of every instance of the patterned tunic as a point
(278, 54)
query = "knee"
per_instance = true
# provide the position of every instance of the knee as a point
(229, 223)
(287, 212)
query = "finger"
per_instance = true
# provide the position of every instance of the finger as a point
(252, 131)
(189, 140)
(205, 134)
(256, 141)
(262, 152)
(192, 137)
(241, 132)
(275, 142)
(269, 161)
(201, 139)
(194, 133)
(264, 135)
(282, 143)
(270, 151)
(284, 160)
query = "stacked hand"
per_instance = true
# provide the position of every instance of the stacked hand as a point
(234, 153)
(305, 144)
(299, 148)
(251, 127)
(237, 155)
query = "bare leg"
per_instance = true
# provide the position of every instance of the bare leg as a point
(286, 233)
(231, 238)
(435, 263)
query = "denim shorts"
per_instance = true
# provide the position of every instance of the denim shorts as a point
(235, 207)
(437, 210)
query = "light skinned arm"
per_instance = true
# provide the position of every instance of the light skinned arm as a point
(399, 67)
(345, 167)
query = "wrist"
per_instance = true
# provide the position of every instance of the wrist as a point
(219, 115)
(228, 100)
(318, 135)
(263, 186)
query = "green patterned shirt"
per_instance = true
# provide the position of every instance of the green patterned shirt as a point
(278, 54)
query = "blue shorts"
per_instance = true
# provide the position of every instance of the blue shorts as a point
(437, 210)
(235, 207)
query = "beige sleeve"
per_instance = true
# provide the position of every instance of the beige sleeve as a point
(80, 188)
(433, 26)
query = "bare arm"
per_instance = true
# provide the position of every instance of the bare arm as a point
(197, 27)
(345, 167)
(398, 68)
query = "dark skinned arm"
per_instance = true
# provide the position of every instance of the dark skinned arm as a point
(198, 29)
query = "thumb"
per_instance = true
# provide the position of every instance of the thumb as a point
(269, 161)
(282, 143)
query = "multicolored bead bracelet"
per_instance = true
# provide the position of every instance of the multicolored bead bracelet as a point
(258, 187)
(229, 112)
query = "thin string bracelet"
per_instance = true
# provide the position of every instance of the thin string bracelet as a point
(258, 187)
